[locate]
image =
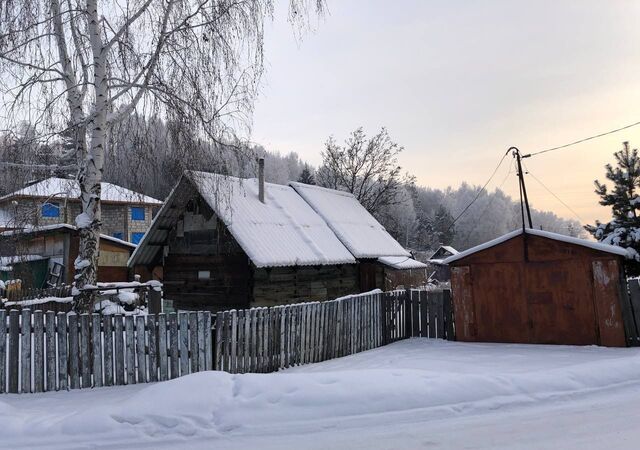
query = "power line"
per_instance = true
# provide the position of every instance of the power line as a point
(480, 191)
(556, 197)
(488, 205)
(579, 141)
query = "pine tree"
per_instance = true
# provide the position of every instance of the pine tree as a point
(306, 176)
(441, 227)
(624, 228)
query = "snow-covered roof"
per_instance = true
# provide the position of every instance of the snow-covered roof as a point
(401, 262)
(546, 234)
(450, 249)
(358, 230)
(61, 188)
(283, 231)
(61, 226)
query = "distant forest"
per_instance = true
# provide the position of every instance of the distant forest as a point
(149, 155)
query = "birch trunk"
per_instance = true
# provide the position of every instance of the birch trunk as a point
(89, 221)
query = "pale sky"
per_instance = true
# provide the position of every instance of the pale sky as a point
(458, 82)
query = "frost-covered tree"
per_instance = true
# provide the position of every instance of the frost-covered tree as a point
(77, 68)
(443, 229)
(306, 176)
(624, 227)
(366, 167)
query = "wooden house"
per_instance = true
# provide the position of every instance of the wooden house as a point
(539, 287)
(36, 254)
(225, 242)
(438, 270)
(382, 262)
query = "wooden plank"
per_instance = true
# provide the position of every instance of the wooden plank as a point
(141, 356)
(634, 303)
(96, 346)
(74, 352)
(174, 345)
(440, 315)
(25, 349)
(424, 317)
(240, 342)
(162, 347)
(152, 348)
(253, 334)
(119, 350)
(432, 306)
(85, 350)
(50, 342)
(63, 366)
(233, 342)
(447, 310)
(193, 341)
(218, 353)
(130, 348)
(183, 320)
(201, 343)
(108, 349)
(260, 340)
(208, 343)
(38, 351)
(246, 365)
(265, 339)
(14, 340)
(283, 338)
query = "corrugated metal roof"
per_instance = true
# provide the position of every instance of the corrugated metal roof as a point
(546, 234)
(356, 228)
(283, 231)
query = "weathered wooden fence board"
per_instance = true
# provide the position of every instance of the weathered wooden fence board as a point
(47, 351)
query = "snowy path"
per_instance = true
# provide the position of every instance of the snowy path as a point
(412, 394)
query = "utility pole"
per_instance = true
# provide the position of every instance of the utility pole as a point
(524, 200)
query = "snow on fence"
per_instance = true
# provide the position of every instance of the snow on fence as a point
(48, 351)
(269, 339)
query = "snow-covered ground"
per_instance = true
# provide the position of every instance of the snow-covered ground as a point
(417, 393)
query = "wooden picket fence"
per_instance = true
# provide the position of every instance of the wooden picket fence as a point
(48, 351)
(274, 338)
(21, 294)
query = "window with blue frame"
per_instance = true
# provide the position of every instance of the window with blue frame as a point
(118, 235)
(137, 213)
(50, 210)
(136, 237)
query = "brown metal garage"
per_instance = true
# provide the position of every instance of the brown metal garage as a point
(543, 288)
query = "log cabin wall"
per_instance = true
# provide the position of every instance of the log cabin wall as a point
(204, 266)
(282, 285)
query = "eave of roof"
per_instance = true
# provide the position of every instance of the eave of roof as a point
(546, 234)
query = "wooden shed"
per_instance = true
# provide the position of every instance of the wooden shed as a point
(225, 242)
(532, 286)
(56, 247)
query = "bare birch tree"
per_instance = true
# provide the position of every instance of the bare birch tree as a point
(366, 167)
(75, 68)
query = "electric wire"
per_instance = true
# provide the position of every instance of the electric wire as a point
(554, 195)
(579, 141)
(466, 208)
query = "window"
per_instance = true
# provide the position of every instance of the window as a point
(204, 274)
(51, 210)
(118, 235)
(136, 237)
(137, 213)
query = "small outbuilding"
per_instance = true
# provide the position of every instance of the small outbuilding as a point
(45, 255)
(532, 286)
(438, 270)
